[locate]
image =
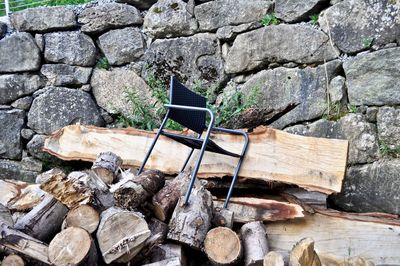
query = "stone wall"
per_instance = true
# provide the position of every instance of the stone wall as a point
(341, 72)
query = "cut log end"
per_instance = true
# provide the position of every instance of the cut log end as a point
(106, 166)
(83, 216)
(303, 253)
(12, 260)
(223, 246)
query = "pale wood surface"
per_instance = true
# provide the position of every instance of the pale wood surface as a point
(303, 253)
(341, 236)
(273, 155)
(12, 260)
(273, 258)
(106, 166)
(83, 216)
(19, 195)
(223, 246)
(254, 242)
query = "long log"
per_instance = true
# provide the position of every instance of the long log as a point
(19, 195)
(273, 155)
(223, 246)
(254, 242)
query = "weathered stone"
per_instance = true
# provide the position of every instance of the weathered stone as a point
(13, 86)
(373, 79)
(70, 47)
(270, 44)
(189, 58)
(296, 10)
(11, 122)
(61, 75)
(39, 39)
(59, 107)
(371, 114)
(108, 16)
(141, 4)
(371, 188)
(14, 170)
(27, 133)
(362, 136)
(337, 89)
(19, 52)
(122, 46)
(169, 18)
(44, 19)
(35, 146)
(31, 164)
(3, 29)
(353, 25)
(23, 103)
(110, 88)
(228, 33)
(388, 122)
(280, 87)
(215, 14)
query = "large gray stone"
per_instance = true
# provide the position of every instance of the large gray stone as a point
(11, 122)
(228, 33)
(141, 4)
(109, 16)
(44, 19)
(61, 75)
(69, 47)
(354, 23)
(371, 188)
(373, 78)
(296, 10)
(272, 44)
(14, 86)
(23, 103)
(122, 46)
(169, 18)
(16, 170)
(19, 52)
(215, 14)
(388, 122)
(281, 87)
(110, 88)
(362, 135)
(35, 149)
(189, 58)
(59, 107)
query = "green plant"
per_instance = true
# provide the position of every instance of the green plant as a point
(367, 42)
(387, 150)
(352, 108)
(269, 19)
(335, 112)
(103, 63)
(314, 19)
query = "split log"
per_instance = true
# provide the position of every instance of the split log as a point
(158, 227)
(43, 177)
(165, 200)
(303, 253)
(23, 244)
(222, 217)
(5, 216)
(106, 166)
(19, 195)
(273, 258)
(254, 242)
(168, 251)
(121, 234)
(44, 220)
(338, 234)
(321, 170)
(13, 260)
(255, 209)
(83, 216)
(130, 193)
(73, 246)
(223, 246)
(168, 262)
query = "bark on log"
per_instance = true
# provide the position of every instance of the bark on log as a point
(44, 220)
(158, 227)
(223, 246)
(13, 260)
(83, 216)
(165, 200)
(19, 196)
(106, 166)
(168, 251)
(222, 217)
(303, 253)
(254, 242)
(73, 246)
(5, 216)
(308, 200)
(121, 234)
(321, 170)
(273, 258)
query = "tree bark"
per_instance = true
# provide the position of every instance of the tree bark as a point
(158, 227)
(303, 253)
(83, 216)
(106, 166)
(254, 242)
(5, 216)
(222, 217)
(223, 246)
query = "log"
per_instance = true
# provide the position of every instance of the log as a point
(83, 216)
(5, 216)
(168, 251)
(339, 235)
(130, 193)
(306, 199)
(273, 258)
(165, 200)
(254, 243)
(321, 170)
(106, 166)
(43, 177)
(222, 217)
(72, 246)
(121, 234)
(255, 209)
(23, 244)
(158, 227)
(13, 260)
(44, 220)
(303, 253)
(168, 262)
(222, 246)
(19, 195)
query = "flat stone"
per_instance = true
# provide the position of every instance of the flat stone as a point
(257, 48)
(296, 10)
(354, 24)
(44, 19)
(62, 75)
(70, 47)
(14, 170)
(108, 16)
(141, 4)
(14, 86)
(215, 14)
(388, 122)
(59, 107)
(27, 133)
(18, 53)
(31, 164)
(228, 33)
(12, 122)
(122, 46)
(23, 103)
(169, 18)
(373, 79)
(337, 89)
